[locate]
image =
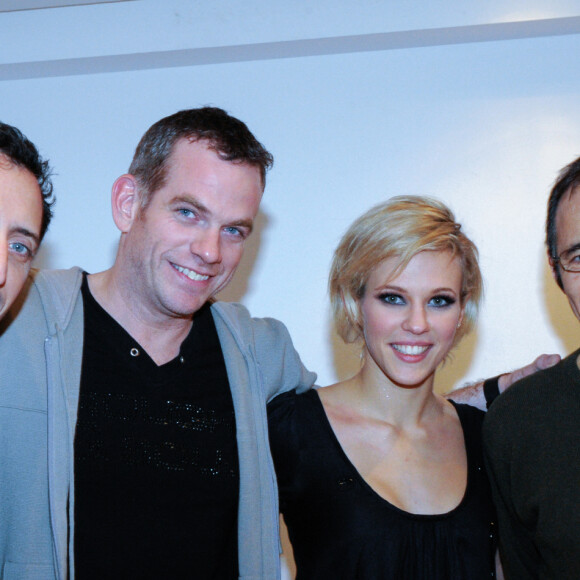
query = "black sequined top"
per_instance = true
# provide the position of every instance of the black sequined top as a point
(156, 465)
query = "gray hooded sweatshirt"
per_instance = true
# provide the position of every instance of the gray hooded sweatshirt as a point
(41, 343)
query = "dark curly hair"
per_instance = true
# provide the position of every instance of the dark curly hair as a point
(22, 152)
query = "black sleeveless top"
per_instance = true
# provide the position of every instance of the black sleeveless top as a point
(340, 528)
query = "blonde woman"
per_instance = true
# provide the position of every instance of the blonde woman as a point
(379, 477)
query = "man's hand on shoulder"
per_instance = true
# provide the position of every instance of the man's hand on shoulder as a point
(474, 394)
(544, 361)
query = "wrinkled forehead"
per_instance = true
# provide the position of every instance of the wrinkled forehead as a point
(568, 219)
(21, 207)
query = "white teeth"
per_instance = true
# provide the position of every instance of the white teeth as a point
(410, 349)
(190, 273)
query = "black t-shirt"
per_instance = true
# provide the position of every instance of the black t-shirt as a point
(156, 465)
(340, 528)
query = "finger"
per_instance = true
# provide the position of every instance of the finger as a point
(545, 361)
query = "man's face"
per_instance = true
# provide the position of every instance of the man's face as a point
(20, 222)
(568, 238)
(185, 246)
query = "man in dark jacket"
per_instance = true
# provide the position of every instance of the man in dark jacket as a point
(532, 433)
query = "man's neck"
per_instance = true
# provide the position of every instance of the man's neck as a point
(161, 337)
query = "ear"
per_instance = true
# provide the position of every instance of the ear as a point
(343, 300)
(462, 312)
(553, 267)
(353, 311)
(125, 202)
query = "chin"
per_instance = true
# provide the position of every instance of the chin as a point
(411, 382)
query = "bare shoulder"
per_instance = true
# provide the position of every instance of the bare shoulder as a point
(338, 401)
(445, 407)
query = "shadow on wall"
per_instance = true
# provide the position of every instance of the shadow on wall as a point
(450, 374)
(47, 257)
(238, 287)
(561, 316)
(346, 358)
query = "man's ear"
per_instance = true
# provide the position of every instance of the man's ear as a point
(553, 267)
(556, 271)
(125, 202)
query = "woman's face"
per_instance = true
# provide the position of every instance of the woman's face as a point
(410, 321)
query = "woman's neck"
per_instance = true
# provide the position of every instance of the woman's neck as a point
(373, 394)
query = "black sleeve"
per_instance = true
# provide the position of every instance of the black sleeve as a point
(284, 442)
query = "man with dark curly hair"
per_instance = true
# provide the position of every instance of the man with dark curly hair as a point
(25, 210)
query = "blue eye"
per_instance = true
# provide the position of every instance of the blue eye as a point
(20, 249)
(393, 299)
(441, 301)
(186, 212)
(239, 234)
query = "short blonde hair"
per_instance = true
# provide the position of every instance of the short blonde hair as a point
(401, 227)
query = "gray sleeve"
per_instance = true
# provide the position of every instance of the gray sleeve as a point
(280, 364)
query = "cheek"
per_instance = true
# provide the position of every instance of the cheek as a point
(231, 256)
(448, 327)
(377, 323)
(16, 277)
(572, 291)
(571, 286)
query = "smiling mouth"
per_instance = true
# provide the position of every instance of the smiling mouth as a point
(410, 349)
(190, 273)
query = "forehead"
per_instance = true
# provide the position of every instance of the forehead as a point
(427, 269)
(568, 220)
(196, 169)
(200, 155)
(20, 198)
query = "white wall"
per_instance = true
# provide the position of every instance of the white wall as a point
(485, 126)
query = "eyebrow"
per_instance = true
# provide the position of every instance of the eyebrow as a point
(26, 232)
(571, 249)
(249, 224)
(191, 201)
(388, 286)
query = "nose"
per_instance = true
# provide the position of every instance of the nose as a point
(416, 320)
(207, 246)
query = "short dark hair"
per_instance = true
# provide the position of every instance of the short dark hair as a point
(568, 178)
(228, 136)
(23, 153)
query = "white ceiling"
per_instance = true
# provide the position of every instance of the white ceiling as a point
(14, 5)
(181, 33)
